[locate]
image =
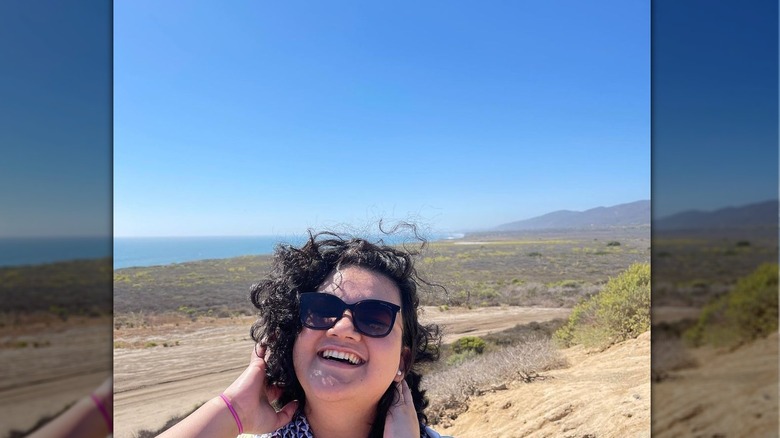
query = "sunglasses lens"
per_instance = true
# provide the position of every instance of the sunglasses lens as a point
(374, 319)
(320, 311)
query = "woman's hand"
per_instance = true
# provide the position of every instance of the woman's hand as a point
(251, 398)
(401, 419)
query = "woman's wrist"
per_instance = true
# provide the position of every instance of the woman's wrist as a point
(233, 412)
(244, 414)
(224, 418)
(105, 393)
(102, 399)
(100, 405)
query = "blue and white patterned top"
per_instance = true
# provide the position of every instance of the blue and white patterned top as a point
(298, 427)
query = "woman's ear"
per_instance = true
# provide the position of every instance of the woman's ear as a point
(403, 363)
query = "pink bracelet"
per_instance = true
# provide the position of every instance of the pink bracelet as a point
(233, 411)
(103, 411)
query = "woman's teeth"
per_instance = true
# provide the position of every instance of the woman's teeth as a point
(341, 356)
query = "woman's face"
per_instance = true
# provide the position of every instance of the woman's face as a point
(325, 377)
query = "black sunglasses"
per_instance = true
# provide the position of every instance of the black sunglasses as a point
(374, 318)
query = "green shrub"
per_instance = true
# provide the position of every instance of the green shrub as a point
(582, 315)
(613, 243)
(459, 358)
(619, 312)
(566, 284)
(746, 313)
(469, 343)
(187, 310)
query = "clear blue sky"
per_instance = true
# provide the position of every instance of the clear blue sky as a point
(252, 118)
(55, 119)
(715, 114)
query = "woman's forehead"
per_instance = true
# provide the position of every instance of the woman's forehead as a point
(354, 283)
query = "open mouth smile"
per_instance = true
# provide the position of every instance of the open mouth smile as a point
(341, 356)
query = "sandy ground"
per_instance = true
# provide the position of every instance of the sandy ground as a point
(72, 359)
(153, 384)
(730, 394)
(601, 394)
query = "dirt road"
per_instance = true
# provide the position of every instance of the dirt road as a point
(49, 368)
(153, 384)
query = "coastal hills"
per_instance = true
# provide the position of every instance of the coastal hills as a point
(761, 214)
(632, 214)
(638, 214)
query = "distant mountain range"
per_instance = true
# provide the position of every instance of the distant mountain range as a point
(623, 215)
(762, 214)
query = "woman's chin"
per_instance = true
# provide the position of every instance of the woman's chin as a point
(330, 385)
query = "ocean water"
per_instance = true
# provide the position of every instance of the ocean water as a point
(39, 250)
(152, 251)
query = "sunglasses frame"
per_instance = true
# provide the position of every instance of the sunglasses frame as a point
(352, 308)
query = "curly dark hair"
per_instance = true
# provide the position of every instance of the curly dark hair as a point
(298, 270)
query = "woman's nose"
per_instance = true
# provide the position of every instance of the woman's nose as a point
(345, 326)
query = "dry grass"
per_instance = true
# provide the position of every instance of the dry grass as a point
(63, 290)
(497, 269)
(449, 390)
(691, 269)
(136, 320)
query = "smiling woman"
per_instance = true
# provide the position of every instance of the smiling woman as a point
(341, 364)
(338, 344)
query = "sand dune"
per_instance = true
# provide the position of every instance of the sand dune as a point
(601, 394)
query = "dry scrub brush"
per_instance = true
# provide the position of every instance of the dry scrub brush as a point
(449, 390)
(746, 313)
(619, 312)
